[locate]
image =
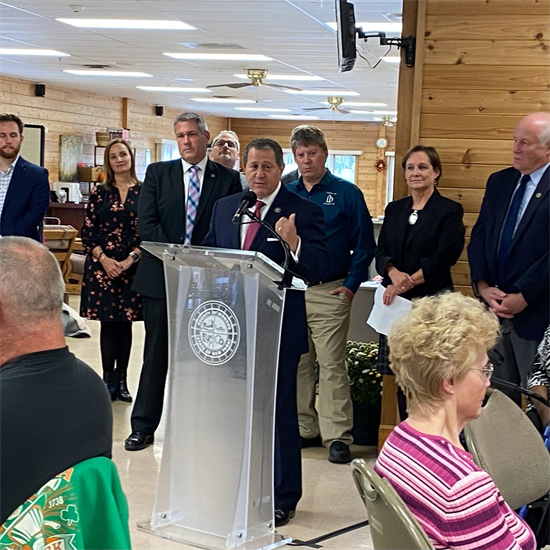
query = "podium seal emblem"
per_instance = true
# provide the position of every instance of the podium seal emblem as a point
(214, 332)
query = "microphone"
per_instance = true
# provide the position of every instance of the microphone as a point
(248, 200)
(510, 386)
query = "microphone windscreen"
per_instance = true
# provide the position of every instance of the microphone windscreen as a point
(250, 197)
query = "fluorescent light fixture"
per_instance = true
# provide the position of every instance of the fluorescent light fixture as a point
(152, 24)
(391, 113)
(374, 113)
(218, 56)
(374, 26)
(221, 100)
(304, 77)
(30, 51)
(173, 89)
(98, 72)
(262, 109)
(338, 93)
(360, 104)
(294, 117)
(391, 59)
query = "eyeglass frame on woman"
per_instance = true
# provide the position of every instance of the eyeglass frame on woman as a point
(487, 370)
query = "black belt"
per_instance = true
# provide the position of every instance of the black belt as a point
(331, 280)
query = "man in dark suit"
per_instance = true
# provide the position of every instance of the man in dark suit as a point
(175, 206)
(24, 187)
(300, 223)
(509, 249)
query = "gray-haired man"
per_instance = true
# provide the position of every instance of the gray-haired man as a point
(225, 150)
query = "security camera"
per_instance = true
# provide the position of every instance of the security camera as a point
(75, 8)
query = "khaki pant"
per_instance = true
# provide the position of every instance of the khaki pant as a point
(328, 322)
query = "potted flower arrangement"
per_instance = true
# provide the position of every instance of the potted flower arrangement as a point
(366, 391)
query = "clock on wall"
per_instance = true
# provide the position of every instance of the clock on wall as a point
(382, 143)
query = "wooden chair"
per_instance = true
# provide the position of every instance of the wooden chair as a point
(77, 259)
(60, 240)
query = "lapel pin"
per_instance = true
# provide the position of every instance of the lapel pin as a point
(277, 210)
(538, 195)
(212, 175)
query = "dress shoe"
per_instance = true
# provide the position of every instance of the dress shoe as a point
(138, 440)
(111, 382)
(311, 441)
(339, 453)
(282, 517)
(122, 391)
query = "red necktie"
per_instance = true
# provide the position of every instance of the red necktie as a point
(253, 227)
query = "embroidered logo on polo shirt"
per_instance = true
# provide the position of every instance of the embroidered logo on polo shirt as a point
(329, 201)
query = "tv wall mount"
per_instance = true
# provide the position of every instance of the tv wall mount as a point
(407, 43)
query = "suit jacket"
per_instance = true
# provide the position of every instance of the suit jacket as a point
(27, 201)
(527, 263)
(290, 177)
(434, 243)
(313, 261)
(161, 214)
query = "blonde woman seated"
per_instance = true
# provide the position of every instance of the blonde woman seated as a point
(439, 356)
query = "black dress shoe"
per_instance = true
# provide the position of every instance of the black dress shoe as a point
(311, 441)
(339, 453)
(138, 440)
(282, 517)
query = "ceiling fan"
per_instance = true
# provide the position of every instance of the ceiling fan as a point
(256, 77)
(334, 102)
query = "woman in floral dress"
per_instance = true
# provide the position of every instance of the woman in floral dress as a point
(111, 241)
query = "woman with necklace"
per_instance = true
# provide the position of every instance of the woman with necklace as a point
(421, 238)
(110, 238)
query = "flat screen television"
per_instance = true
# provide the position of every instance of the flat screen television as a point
(345, 31)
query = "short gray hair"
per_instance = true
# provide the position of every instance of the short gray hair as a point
(31, 284)
(265, 144)
(190, 116)
(232, 134)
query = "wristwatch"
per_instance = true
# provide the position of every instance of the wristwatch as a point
(134, 257)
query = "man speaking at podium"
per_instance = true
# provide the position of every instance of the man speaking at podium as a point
(299, 223)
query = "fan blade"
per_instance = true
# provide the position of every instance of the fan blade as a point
(317, 109)
(234, 85)
(282, 87)
(343, 111)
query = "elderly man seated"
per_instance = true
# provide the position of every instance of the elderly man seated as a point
(55, 410)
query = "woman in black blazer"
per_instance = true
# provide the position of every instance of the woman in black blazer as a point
(421, 238)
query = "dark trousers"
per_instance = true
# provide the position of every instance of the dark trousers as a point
(149, 400)
(288, 459)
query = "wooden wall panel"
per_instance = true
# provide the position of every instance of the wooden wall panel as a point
(351, 136)
(488, 7)
(65, 111)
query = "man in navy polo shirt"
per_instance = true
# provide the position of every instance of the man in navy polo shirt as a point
(351, 247)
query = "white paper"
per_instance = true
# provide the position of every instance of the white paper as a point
(383, 317)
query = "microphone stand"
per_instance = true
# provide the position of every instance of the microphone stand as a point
(504, 384)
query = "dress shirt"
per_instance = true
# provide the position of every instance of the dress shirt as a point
(265, 209)
(5, 179)
(348, 225)
(187, 175)
(529, 190)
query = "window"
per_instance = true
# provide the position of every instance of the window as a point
(167, 149)
(341, 163)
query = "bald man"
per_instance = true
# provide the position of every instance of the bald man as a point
(509, 249)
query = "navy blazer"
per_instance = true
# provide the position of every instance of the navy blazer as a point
(526, 266)
(313, 261)
(161, 214)
(434, 243)
(27, 201)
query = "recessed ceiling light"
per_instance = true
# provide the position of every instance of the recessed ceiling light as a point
(284, 77)
(294, 117)
(360, 104)
(173, 89)
(391, 59)
(30, 51)
(221, 100)
(374, 26)
(262, 109)
(152, 24)
(343, 93)
(92, 72)
(218, 56)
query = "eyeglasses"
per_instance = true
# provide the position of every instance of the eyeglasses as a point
(222, 142)
(487, 370)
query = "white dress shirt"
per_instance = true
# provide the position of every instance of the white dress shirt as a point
(187, 175)
(5, 179)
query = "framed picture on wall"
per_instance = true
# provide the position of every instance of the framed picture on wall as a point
(32, 147)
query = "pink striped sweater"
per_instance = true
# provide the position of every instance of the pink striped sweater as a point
(455, 501)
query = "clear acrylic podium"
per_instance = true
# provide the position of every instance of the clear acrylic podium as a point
(215, 486)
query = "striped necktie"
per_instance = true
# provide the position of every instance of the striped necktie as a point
(193, 195)
(253, 227)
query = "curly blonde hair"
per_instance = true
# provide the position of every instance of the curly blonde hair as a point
(440, 338)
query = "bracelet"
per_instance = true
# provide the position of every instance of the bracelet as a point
(99, 257)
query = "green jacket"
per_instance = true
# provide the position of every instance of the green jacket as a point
(82, 508)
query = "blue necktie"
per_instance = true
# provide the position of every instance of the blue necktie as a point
(193, 196)
(510, 224)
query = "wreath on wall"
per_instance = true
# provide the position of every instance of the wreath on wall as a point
(380, 165)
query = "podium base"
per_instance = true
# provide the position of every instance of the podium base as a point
(208, 541)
